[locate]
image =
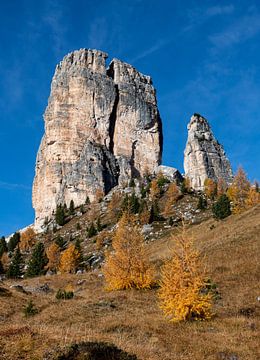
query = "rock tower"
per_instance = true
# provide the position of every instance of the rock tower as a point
(102, 127)
(204, 157)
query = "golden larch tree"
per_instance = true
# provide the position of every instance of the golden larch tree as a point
(128, 266)
(253, 197)
(27, 240)
(5, 260)
(53, 255)
(210, 188)
(172, 195)
(221, 187)
(238, 192)
(69, 259)
(154, 189)
(182, 281)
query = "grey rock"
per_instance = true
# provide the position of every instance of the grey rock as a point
(170, 173)
(204, 157)
(102, 127)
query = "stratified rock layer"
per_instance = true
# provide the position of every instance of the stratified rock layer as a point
(102, 127)
(204, 157)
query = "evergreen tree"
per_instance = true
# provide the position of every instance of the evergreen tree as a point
(87, 202)
(14, 240)
(92, 231)
(154, 212)
(99, 225)
(38, 261)
(221, 208)
(3, 246)
(1, 268)
(202, 203)
(60, 215)
(72, 207)
(14, 270)
(79, 249)
(60, 242)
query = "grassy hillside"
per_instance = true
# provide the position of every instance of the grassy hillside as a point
(131, 319)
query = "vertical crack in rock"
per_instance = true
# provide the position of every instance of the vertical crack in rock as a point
(134, 172)
(112, 121)
(204, 157)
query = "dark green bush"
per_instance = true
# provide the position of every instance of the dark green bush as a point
(64, 295)
(30, 309)
(202, 203)
(221, 209)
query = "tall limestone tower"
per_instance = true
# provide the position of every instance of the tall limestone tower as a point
(204, 157)
(102, 127)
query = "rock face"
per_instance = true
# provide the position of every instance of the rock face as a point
(102, 127)
(170, 173)
(204, 157)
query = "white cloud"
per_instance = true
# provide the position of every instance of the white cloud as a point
(219, 10)
(157, 46)
(11, 186)
(242, 30)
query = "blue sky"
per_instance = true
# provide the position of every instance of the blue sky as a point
(203, 57)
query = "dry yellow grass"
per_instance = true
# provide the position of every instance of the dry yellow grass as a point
(132, 320)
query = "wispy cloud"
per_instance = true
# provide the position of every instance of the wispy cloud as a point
(219, 10)
(53, 18)
(241, 30)
(11, 186)
(98, 33)
(157, 46)
(198, 16)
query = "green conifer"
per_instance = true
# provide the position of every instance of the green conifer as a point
(13, 242)
(14, 270)
(221, 208)
(3, 246)
(38, 261)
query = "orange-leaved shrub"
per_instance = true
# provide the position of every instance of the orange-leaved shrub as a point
(182, 284)
(128, 266)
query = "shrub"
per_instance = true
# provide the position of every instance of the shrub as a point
(182, 281)
(64, 295)
(128, 265)
(221, 209)
(30, 309)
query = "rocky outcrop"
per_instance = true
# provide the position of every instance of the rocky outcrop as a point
(102, 127)
(169, 172)
(204, 157)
